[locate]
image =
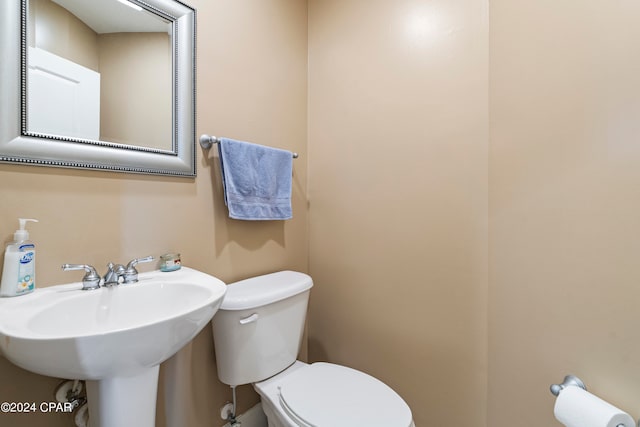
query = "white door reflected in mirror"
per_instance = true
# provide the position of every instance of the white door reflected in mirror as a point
(64, 97)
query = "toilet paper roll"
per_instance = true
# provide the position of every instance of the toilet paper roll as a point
(576, 407)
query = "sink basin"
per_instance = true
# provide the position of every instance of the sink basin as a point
(114, 337)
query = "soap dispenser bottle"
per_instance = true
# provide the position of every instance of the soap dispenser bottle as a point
(19, 270)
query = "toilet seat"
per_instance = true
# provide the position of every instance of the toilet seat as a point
(324, 394)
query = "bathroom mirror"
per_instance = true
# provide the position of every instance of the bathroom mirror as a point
(100, 84)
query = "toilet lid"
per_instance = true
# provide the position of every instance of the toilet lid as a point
(328, 395)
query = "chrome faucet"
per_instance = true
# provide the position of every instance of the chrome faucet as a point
(113, 274)
(91, 280)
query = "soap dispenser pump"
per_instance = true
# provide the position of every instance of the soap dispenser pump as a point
(19, 270)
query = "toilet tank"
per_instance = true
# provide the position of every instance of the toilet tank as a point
(258, 328)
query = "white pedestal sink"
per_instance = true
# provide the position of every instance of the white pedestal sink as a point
(115, 338)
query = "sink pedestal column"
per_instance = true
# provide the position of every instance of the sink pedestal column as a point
(124, 401)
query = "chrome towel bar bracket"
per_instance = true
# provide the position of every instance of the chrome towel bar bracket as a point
(207, 141)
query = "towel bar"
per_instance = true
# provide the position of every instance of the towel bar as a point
(207, 141)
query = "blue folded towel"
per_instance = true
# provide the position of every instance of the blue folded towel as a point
(256, 180)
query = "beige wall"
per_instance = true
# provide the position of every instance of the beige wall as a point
(398, 181)
(564, 201)
(398, 135)
(251, 85)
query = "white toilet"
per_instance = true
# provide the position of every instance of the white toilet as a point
(257, 332)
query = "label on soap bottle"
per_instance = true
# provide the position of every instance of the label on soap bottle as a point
(26, 269)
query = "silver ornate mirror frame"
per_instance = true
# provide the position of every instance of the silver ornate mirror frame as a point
(21, 147)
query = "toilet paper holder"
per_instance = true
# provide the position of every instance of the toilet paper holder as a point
(569, 380)
(572, 381)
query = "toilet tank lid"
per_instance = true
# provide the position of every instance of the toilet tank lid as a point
(262, 290)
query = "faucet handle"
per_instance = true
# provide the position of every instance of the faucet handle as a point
(91, 279)
(130, 273)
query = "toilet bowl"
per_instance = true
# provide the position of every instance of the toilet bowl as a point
(324, 394)
(257, 333)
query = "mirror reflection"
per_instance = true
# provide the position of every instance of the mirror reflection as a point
(100, 70)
